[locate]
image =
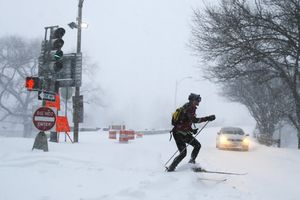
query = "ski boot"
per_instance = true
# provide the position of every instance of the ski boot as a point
(192, 161)
(172, 167)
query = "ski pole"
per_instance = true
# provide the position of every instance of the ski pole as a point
(187, 145)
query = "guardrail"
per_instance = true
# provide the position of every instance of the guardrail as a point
(86, 129)
(154, 132)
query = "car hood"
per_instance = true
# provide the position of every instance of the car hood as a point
(234, 136)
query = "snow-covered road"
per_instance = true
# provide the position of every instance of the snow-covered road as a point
(98, 168)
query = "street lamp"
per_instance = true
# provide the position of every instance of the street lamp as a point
(176, 87)
(73, 25)
(84, 25)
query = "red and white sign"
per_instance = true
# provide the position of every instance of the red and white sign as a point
(54, 104)
(44, 118)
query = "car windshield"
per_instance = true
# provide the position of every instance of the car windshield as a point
(233, 131)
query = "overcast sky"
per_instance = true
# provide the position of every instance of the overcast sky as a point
(141, 49)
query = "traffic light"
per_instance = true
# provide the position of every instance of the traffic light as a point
(32, 83)
(41, 84)
(55, 54)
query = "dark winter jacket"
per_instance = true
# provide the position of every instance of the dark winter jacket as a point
(187, 118)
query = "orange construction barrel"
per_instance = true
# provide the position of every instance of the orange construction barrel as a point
(139, 135)
(123, 137)
(113, 135)
(130, 134)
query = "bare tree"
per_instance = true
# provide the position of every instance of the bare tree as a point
(18, 59)
(260, 39)
(263, 102)
(91, 89)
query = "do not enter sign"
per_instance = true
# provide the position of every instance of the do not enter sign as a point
(44, 118)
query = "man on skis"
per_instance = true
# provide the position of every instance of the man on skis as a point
(183, 131)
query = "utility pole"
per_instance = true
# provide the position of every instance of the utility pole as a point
(77, 88)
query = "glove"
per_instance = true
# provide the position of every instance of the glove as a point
(210, 118)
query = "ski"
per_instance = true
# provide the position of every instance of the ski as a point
(216, 172)
(213, 179)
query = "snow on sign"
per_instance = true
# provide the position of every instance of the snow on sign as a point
(44, 118)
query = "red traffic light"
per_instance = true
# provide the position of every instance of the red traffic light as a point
(32, 83)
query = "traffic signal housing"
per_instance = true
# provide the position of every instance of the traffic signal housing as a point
(32, 83)
(55, 54)
(41, 84)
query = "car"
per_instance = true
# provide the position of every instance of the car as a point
(232, 138)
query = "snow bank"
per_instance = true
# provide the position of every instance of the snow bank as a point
(98, 168)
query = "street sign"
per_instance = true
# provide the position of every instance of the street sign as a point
(62, 124)
(46, 96)
(54, 104)
(44, 118)
(67, 92)
(78, 105)
(71, 74)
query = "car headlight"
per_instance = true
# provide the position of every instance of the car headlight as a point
(223, 139)
(245, 141)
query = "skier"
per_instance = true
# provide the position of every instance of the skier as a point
(183, 131)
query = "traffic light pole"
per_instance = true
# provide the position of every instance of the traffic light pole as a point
(77, 88)
(54, 43)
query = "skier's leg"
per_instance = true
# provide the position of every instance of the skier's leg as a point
(181, 148)
(196, 144)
